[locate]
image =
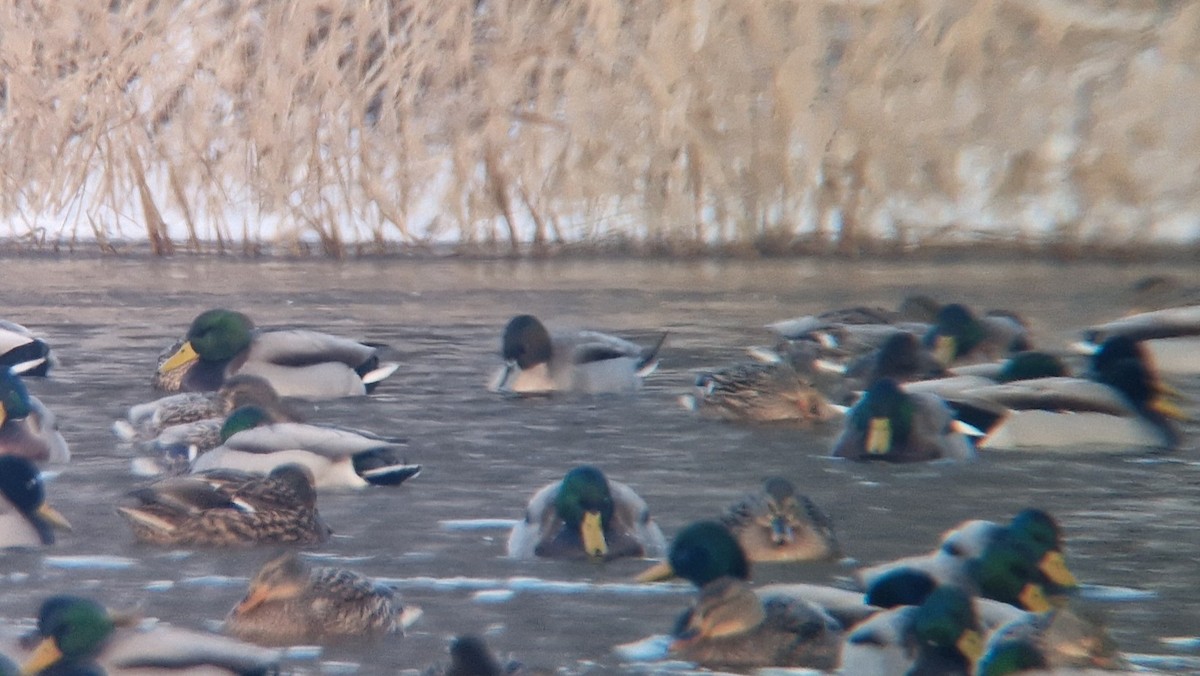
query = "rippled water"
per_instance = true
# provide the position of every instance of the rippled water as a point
(1131, 521)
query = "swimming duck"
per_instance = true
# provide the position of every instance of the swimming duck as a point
(536, 362)
(298, 363)
(470, 656)
(915, 312)
(27, 427)
(337, 457)
(147, 421)
(942, 635)
(997, 560)
(1119, 405)
(957, 336)
(758, 392)
(227, 507)
(79, 636)
(731, 627)
(586, 516)
(778, 524)
(890, 424)
(26, 520)
(1054, 641)
(290, 602)
(23, 352)
(1171, 336)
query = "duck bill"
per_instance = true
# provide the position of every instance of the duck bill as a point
(592, 531)
(1164, 406)
(45, 655)
(186, 354)
(53, 517)
(254, 598)
(1033, 599)
(659, 572)
(781, 532)
(1054, 567)
(879, 436)
(944, 350)
(970, 644)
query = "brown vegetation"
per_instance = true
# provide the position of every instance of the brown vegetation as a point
(767, 125)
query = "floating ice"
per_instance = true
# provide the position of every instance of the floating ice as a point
(493, 595)
(97, 562)
(477, 524)
(1100, 592)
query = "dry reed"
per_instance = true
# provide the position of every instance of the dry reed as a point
(361, 125)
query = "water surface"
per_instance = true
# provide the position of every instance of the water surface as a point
(1131, 521)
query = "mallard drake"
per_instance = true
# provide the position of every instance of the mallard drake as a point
(298, 363)
(729, 626)
(79, 636)
(227, 507)
(957, 336)
(26, 520)
(942, 635)
(1171, 336)
(290, 602)
(700, 553)
(586, 516)
(1052, 642)
(470, 656)
(1119, 405)
(23, 352)
(890, 424)
(536, 362)
(27, 427)
(758, 392)
(778, 524)
(337, 457)
(149, 420)
(1032, 533)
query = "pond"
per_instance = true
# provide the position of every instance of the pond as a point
(1131, 521)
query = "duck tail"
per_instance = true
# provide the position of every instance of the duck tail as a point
(372, 378)
(649, 360)
(381, 467)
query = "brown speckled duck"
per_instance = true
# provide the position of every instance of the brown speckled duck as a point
(291, 602)
(227, 508)
(778, 524)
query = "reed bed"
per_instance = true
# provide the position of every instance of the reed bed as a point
(347, 126)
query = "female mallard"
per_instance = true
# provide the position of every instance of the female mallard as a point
(24, 352)
(778, 524)
(338, 458)
(78, 636)
(942, 635)
(731, 627)
(26, 520)
(586, 516)
(757, 392)
(586, 361)
(1171, 336)
(27, 428)
(1119, 405)
(290, 602)
(890, 424)
(147, 421)
(298, 363)
(227, 507)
